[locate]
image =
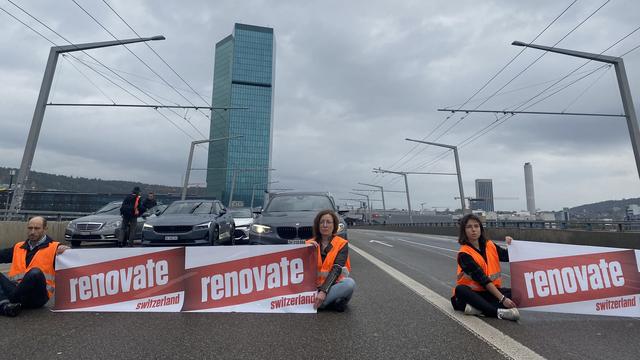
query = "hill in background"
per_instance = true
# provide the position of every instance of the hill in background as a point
(44, 181)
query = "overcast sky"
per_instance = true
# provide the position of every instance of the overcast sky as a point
(353, 80)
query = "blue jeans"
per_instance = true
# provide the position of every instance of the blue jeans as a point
(343, 289)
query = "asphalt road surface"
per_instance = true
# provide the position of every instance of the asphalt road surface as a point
(400, 312)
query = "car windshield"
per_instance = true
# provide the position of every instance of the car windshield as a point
(189, 207)
(299, 203)
(112, 208)
(241, 213)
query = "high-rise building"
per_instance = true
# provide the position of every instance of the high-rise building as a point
(528, 184)
(243, 77)
(484, 194)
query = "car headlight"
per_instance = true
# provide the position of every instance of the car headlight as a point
(147, 227)
(260, 229)
(71, 225)
(203, 226)
(113, 224)
(341, 227)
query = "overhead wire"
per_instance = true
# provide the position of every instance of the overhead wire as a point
(144, 63)
(99, 62)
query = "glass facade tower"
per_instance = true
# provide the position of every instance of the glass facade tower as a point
(484, 194)
(243, 77)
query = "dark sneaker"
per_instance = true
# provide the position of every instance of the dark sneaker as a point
(340, 305)
(12, 309)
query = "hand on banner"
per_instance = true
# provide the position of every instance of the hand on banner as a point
(320, 296)
(508, 303)
(61, 249)
(508, 239)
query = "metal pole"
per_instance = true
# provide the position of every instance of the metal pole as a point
(406, 186)
(188, 172)
(623, 85)
(462, 202)
(384, 207)
(38, 114)
(253, 193)
(233, 185)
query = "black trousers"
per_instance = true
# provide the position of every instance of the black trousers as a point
(481, 300)
(128, 231)
(31, 292)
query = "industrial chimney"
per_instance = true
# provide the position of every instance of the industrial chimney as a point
(528, 184)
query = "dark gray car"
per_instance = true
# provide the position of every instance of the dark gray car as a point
(288, 218)
(190, 222)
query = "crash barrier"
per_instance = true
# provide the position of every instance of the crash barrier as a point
(575, 279)
(626, 240)
(12, 232)
(268, 278)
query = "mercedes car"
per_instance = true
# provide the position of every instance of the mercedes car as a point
(288, 218)
(242, 218)
(190, 222)
(104, 225)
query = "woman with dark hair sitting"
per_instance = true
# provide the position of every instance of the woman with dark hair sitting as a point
(478, 288)
(335, 287)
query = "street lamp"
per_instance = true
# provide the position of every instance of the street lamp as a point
(43, 97)
(623, 85)
(253, 191)
(455, 155)
(368, 204)
(193, 145)
(384, 207)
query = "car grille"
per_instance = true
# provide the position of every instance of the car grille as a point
(88, 226)
(238, 233)
(172, 229)
(290, 232)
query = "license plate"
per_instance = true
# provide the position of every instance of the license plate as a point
(291, 242)
(171, 237)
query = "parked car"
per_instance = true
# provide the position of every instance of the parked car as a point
(242, 218)
(190, 222)
(288, 218)
(104, 225)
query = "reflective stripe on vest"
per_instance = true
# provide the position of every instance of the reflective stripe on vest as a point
(44, 259)
(324, 268)
(135, 206)
(491, 267)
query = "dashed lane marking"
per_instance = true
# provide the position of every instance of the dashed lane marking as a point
(503, 343)
(380, 242)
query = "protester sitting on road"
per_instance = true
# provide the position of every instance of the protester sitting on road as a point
(131, 209)
(478, 288)
(335, 288)
(31, 280)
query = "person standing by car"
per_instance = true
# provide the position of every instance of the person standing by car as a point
(479, 288)
(335, 288)
(132, 207)
(150, 201)
(31, 281)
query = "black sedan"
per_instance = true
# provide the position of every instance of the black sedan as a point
(190, 222)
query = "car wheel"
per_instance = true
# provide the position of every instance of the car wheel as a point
(213, 240)
(75, 243)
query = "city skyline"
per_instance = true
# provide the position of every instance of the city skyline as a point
(352, 85)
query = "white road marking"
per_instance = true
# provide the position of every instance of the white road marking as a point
(380, 242)
(503, 343)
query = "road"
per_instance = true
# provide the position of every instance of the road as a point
(387, 319)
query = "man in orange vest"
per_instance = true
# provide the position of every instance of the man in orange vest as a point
(31, 280)
(131, 209)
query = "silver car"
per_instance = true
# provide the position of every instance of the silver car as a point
(243, 218)
(104, 225)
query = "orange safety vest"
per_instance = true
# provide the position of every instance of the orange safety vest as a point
(135, 206)
(324, 268)
(491, 267)
(44, 259)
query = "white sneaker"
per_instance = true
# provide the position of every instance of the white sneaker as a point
(509, 314)
(470, 310)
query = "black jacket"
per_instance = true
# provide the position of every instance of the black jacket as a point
(128, 204)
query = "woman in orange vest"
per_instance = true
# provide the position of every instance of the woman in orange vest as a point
(479, 288)
(335, 287)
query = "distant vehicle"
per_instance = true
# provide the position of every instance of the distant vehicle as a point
(288, 218)
(190, 222)
(104, 225)
(242, 218)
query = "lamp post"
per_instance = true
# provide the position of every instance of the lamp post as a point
(384, 207)
(455, 155)
(623, 85)
(12, 172)
(43, 97)
(253, 191)
(189, 161)
(368, 205)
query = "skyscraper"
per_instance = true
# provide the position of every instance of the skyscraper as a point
(243, 76)
(484, 194)
(528, 185)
